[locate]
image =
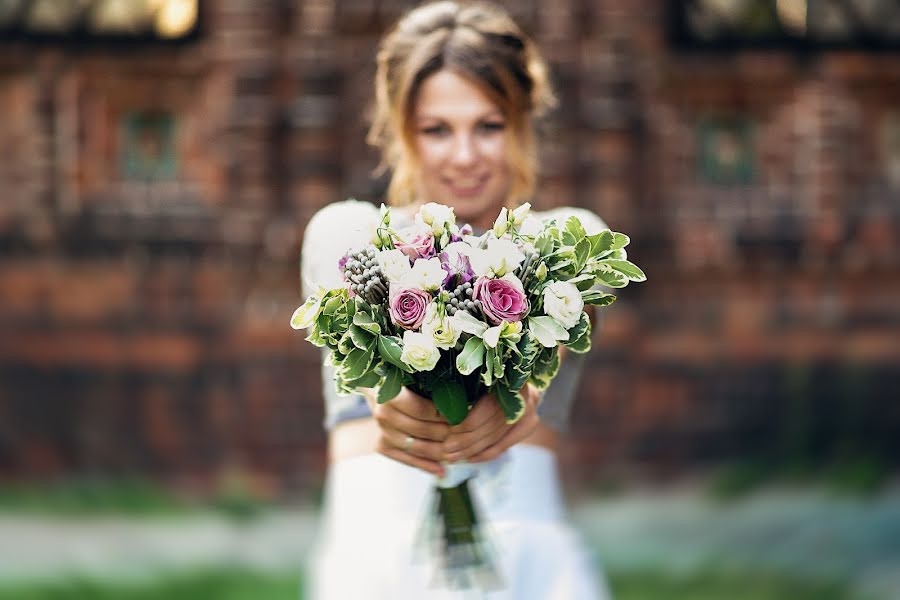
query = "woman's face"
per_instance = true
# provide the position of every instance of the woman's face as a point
(461, 144)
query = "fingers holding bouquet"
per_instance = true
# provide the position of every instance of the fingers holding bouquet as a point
(411, 431)
(481, 438)
(484, 427)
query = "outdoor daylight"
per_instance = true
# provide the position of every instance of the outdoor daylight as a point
(449, 299)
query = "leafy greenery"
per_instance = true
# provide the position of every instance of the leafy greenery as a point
(219, 584)
(240, 584)
(560, 261)
(856, 476)
(123, 496)
(722, 585)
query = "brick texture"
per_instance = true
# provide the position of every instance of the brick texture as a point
(143, 322)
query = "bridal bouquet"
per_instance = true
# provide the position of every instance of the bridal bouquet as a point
(454, 316)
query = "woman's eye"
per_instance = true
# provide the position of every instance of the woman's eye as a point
(492, 126)
(435, 130)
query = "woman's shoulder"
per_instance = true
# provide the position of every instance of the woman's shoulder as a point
(330, 233)
(590, 221)
(345, 213)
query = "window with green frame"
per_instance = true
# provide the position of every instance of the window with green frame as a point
(148, 146)
(725, 151)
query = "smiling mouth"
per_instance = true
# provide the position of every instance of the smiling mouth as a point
(467, 188)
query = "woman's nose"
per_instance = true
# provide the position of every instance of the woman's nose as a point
(464, 151)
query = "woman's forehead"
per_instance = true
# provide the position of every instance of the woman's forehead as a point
(446, 94)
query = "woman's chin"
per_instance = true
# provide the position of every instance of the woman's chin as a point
(478, 212)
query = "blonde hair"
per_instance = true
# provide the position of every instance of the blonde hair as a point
(478, 41)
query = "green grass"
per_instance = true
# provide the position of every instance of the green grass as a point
(202, 585)
(247, 585)
(713, 585)
(855, 476)
(131, 497)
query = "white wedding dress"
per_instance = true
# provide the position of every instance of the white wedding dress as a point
(374, 508)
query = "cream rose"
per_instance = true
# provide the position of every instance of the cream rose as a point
(394, 264)
(441, 330)
(419, 351)
(563, 302)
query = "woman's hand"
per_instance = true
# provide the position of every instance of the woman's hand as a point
(411, 431)
(484, 434)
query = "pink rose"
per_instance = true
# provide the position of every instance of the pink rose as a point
(407, 306)
(501, 299)
(415, 242)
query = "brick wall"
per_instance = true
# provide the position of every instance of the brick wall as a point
(144, 320)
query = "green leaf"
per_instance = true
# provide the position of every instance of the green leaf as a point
(545, 368)
(307, 313)
(547, 331)
(450, 399)
(517, 376)
(511, 402)
(471, 357)
(583, 282)
(601, 243)
(487, 376)
(361, 338)
(544, 244)
(391, 386)
(499, 366)
(332, 305)
(598, 298)
(346, 345)
(620, 240)
(561, 264)
(626, 268)
(369, 379)
(580, 336)
(364, 320)
(609, 277)
(606, 242)
(582, 253)
(356, 363)
(315, 337)
(529, 348)
(390, 349)
(351, 307)
(575, 229)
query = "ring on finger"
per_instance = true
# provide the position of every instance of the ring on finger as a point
(408, 442)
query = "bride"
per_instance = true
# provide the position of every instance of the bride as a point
(457, 88)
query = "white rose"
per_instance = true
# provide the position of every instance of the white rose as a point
(394, 264)
(563, 302)
(441, 330)
(436, 216)
(426, 274)
(499, 258)
(419, 351)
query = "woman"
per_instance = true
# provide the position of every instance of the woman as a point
(457, 88)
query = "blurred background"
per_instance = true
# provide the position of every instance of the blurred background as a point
(737, 433)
